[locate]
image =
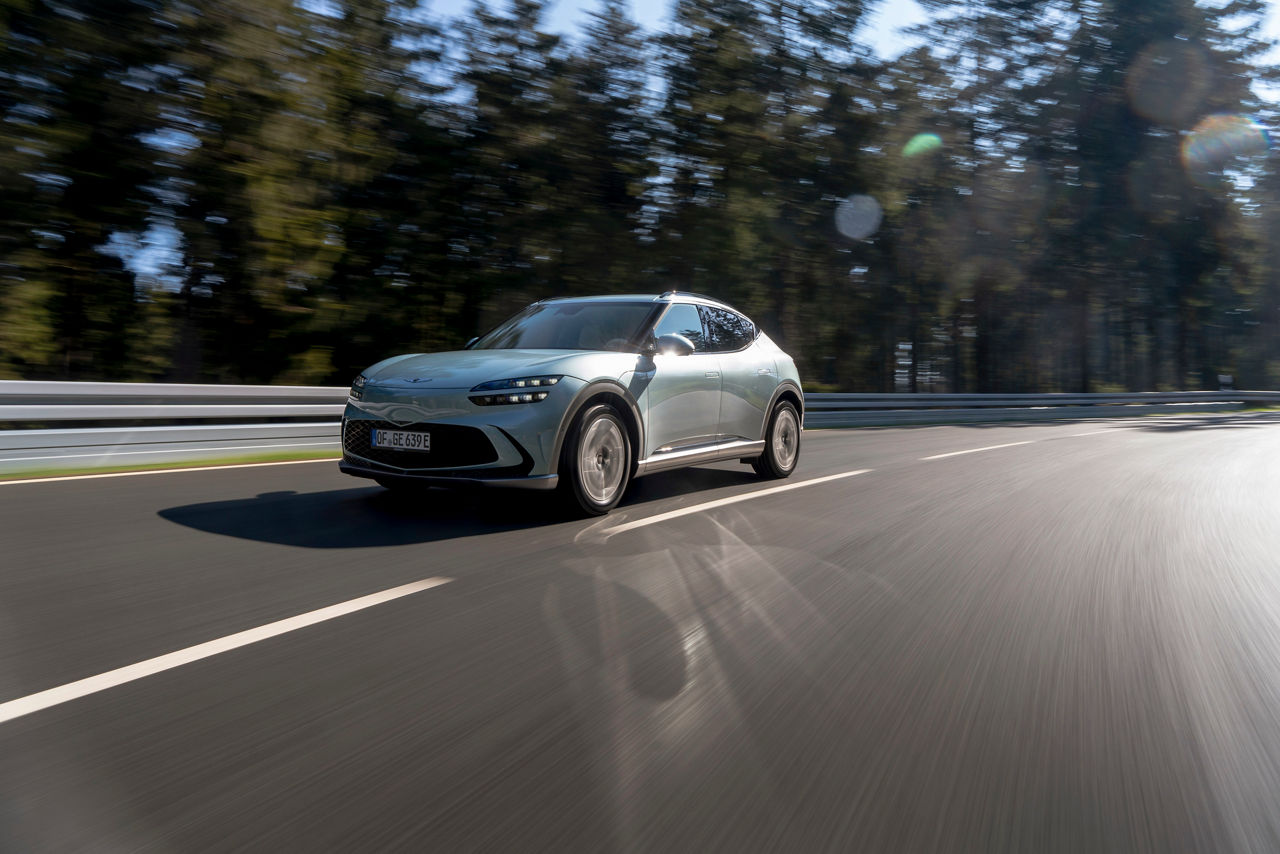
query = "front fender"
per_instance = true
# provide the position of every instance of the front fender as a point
(580, 400)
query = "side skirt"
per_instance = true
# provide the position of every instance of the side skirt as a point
(735, 450)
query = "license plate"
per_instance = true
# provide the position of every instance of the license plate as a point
(402, 440)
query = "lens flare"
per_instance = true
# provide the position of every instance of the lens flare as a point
(1218, 140)
(858, 217)
(922, 143)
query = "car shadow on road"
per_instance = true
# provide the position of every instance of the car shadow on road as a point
(361, 517)
(656, 487)
(367, 517)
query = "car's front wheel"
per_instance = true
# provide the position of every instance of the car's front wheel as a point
(595, 464)
(781, 442)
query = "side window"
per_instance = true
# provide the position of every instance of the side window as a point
(682, 319)
(726, 330)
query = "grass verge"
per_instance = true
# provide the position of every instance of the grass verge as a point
(264, 457)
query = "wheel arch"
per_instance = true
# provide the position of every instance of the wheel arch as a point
(602, 391)
(789, 391)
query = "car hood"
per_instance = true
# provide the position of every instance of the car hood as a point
(468, 368)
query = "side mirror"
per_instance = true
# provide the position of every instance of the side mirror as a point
(471, 343)
(675, 345)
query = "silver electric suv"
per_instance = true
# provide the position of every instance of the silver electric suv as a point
(580, 395)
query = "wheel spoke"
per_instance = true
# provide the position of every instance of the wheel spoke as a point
(602, 460)
(786, 438)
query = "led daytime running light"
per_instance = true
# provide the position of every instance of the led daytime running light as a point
(508, 399)
(357, 387)
(518, 382)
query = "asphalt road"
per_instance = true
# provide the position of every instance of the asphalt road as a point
(1068, 641)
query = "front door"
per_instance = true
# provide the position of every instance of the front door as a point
(681, 393)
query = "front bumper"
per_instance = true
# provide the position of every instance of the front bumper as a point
(544, 481)
(510, 446)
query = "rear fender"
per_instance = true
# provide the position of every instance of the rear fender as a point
(783, 388)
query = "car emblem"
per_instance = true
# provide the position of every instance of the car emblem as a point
(420, 380)
(402, 417)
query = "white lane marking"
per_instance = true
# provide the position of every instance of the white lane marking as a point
(976, 450)
(93, 684)
(721, 502)
(264, 448)
(54, 477)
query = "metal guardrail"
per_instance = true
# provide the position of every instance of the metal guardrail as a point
(24, 403)
(313, 414)
(882, 410)
(816, 402)
(39, 401)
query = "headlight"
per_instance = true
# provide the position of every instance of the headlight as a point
(519, 390)
(357, 387)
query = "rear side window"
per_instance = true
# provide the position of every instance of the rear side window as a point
(683, 319)
(726, 330)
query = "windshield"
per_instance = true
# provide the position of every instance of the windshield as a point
(572, 326)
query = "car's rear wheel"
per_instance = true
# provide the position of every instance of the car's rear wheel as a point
(781, 443)
(595, 464)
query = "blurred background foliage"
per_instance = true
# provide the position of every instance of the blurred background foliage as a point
(1048, 195)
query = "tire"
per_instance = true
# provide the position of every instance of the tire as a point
(781, 443)
(595, 462)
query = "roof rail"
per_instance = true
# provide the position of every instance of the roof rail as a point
(673, 293)
(717, 300)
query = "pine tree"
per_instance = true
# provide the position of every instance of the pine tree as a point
(78, 100)
(1098, 102)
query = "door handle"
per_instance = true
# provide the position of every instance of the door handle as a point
(712, 374)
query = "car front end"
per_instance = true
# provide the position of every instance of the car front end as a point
(410, 423)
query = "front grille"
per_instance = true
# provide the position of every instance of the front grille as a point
(452, 446)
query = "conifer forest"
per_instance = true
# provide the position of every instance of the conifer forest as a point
(1044, 195)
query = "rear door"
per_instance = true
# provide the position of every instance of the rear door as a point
(748, 376)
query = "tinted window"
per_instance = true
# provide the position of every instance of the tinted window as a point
(726, 330)
(682, 319)
(571, 326)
